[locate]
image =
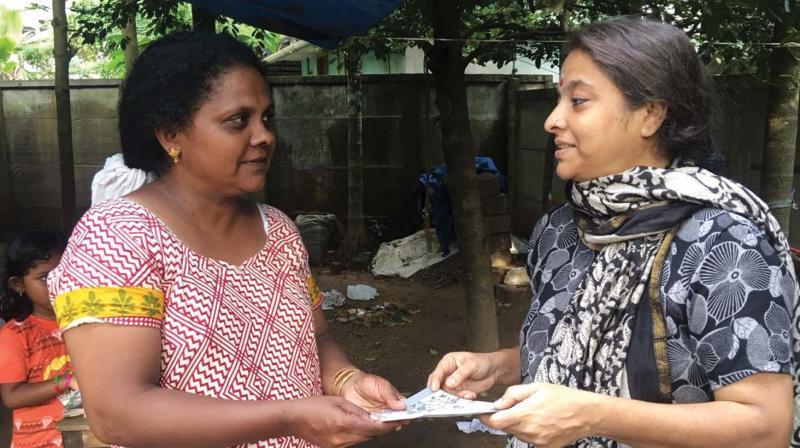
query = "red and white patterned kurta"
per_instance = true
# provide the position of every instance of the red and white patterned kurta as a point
(236, 332)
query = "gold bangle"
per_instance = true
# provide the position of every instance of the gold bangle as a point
(343, 381)
(342, 377)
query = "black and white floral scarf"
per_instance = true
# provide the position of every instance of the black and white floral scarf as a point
(627, 215)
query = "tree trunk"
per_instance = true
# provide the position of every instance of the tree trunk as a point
(462, 182)
(779, 150)
(355, 239)
(131, 43)
(63, 115)
(203, 20)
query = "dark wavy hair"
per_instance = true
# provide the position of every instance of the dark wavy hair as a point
(24, 253)
(653, 61)
(167, 85)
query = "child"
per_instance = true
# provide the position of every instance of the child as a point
(35, 372)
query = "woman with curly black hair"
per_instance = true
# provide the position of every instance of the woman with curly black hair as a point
(189, 311)
(663, 294)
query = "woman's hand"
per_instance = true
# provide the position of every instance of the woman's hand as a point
(545, 415)
(464, 373)
(333, 422)
(372, 393)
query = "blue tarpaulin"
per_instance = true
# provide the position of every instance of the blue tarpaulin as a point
(322, 22)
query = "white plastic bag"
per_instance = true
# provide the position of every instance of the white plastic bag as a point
(361, 292)
(116, 179)
(332, 299)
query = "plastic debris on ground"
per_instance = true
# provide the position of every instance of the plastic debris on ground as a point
(361, 292)
(332, 299)
(475, 426)
(406, 256)
(518, 245)
(385, 314)
(517, 276)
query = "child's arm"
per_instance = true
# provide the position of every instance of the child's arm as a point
(21, 395)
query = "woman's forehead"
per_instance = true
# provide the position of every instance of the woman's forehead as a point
(580, 71)
(241, 85)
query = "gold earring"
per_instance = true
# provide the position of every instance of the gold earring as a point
(175, 154)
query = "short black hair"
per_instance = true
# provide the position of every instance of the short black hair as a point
(654, 61)
(24, 253)
(166, 86)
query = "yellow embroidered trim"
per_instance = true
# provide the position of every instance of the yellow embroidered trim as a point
(108, 302)
(657, 317)
(313, 291)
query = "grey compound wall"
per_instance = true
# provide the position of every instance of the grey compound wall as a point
(309, 173)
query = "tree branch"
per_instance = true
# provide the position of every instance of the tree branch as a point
(537, 35)
(475, 53)
(491, 24)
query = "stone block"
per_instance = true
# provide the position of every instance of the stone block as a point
(312, 142)
(500, 259)
(498, 242)
(83, 184)
(304, 100)
(496, 205)
(485, 100)
(94, 103)
(526, 213)
(516, 276)
(512, 294)
(94, 139)
(528, 174)
(36, 185)
(497, 224)
(29, 218)
(490, 136)
(382, 139)
(29, 103)
(487, 183)
(498, 274)
(386, 99)
(32, 140)
(531, 116)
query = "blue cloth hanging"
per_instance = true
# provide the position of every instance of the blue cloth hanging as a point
(441, 210)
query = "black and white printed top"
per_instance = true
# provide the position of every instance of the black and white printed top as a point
(725, 296)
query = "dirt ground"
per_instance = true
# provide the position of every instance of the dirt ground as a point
(406, 353)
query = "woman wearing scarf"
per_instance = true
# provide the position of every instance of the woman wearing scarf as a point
(663, 294)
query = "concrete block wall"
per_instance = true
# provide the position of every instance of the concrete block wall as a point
(29, 148)
(401, 138)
